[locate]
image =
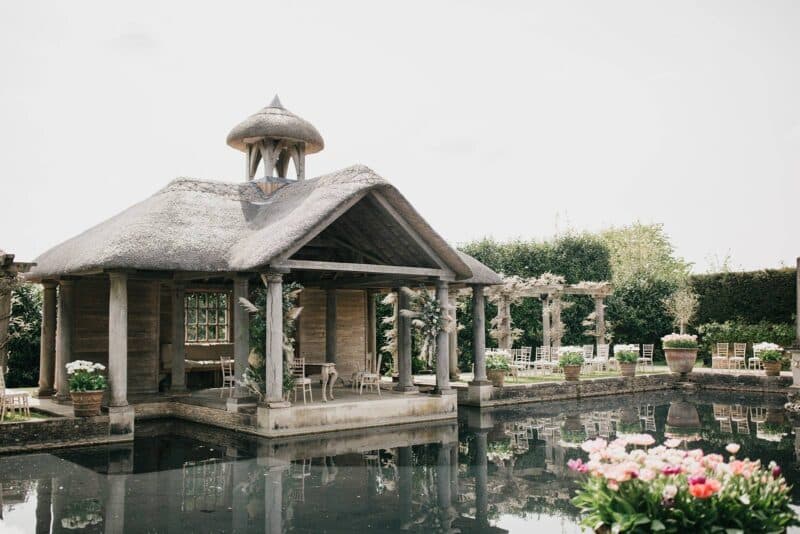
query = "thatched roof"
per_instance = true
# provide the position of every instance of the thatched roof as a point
(205, 226)
(481, 274)
(277, 122)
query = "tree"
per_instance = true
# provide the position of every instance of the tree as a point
(24, 333)
(682, 305)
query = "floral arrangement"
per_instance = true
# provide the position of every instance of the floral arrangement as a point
(570, 355)
(680, 341)
(497, 361)
(626, 353)
(768, 352)
(81, 514)
(85, 376)
(665, 489)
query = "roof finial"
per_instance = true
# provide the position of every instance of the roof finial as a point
(276, 102)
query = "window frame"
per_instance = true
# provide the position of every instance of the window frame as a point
(202, 301)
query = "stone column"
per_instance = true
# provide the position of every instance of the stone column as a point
(481, 479)
(47, 354)
(330, 325)
(178, 337)
(44, 502)
(455, 373)
(600, 320)
(114, 520)
(66, 294)
(795, 351)
(273, 500)
(442, 344)
(405, 484)
(118, 339)
(372, 325)
(405, 377)
(479, 335)
(274, 343)
(546, 321)
(241, 329)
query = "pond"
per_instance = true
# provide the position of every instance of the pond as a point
(500, 470)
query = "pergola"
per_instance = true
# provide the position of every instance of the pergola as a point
(551, 290)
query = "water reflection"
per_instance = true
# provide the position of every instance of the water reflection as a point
(497, 470)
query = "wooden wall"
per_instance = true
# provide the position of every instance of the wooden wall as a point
(90, 335)
(351, 328)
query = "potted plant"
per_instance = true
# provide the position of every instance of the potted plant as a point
(666, 489)
(496, 367)
(627, 356)
(570, 359)
(771, 355)
(680, 351)
(86, 387)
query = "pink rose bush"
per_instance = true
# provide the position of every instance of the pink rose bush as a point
(632, 487)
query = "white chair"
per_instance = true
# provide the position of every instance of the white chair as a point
(543, 361)
(301, 381)
(228, 378)
(755, 361)
(737, 361)
(645, 361)
(521, 361)
(372, 378)
(358, 375)
(12, 402)
(604, 353)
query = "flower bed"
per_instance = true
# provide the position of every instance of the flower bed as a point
(666, 489)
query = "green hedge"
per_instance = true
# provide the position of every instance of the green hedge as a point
(740, 332)
(749, 297)
(23, 336)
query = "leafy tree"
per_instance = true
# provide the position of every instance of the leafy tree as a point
(24, 332)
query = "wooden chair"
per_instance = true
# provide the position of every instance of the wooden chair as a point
(645, 361)
(720, 360)
(737, 361)
(12, 402)
(755, 360)
(359, 375)
(372, 378)
(298, 367)
(228, 378)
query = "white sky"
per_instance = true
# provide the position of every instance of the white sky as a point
(509, 119)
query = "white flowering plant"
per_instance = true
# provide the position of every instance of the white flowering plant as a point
(680, 341)
(768, 352)
(631, 487)
(570, 355)
(86, 376)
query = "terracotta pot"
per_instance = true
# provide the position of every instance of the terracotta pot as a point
(86, 403)
(496, 377)
(772, 368)
(572, 372)
(680, 360)
(683, 415)
(627, 369)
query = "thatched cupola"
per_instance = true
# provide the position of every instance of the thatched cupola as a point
(276, 137)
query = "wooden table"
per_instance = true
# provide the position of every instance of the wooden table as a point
(328, 373)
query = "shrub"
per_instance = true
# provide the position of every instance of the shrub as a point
(679, 341)
(497, 361)
(24, 331)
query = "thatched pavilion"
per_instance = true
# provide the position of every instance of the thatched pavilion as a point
(151, 291)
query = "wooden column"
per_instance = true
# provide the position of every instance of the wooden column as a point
(118, 340)
(479, 334)
(5, 320)
(546, 321)
(557, 321)
(241, 327)
(178, 337)
(330, 325)
(442, 344)
(273, 353)
(600, 319)
(372, 325)
(453, 342)
(66, 304)
(405, 377)
(506, 341)
(47, 354)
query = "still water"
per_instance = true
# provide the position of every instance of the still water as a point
(500, 470)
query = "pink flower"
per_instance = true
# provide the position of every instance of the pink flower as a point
(697, 479)
(705, 489)
(647, 474)
(673, 442)
(670, 490)
(594, 445)
(577, 465)
(671, 470)
(776, 471)
(732, 448)
(640, 440)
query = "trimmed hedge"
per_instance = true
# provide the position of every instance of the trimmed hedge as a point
(750, 297)
(740, 332)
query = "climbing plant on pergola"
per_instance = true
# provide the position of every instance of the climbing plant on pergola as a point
(550, 289)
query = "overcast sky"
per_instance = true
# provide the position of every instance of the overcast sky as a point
(503, 119)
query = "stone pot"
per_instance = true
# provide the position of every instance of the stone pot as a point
(627, 369)
(86, 403)
(680, 360)
(683, 420)
(772, 368)
(572, 372)
(496, 377)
